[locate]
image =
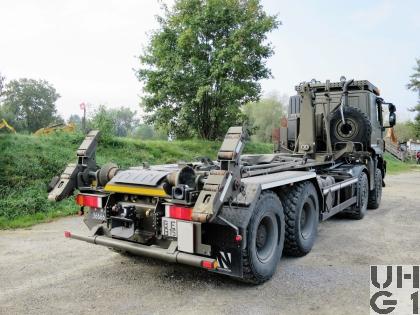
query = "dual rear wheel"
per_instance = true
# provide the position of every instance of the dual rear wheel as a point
(289, 225)
(366, 198)
(265, 239)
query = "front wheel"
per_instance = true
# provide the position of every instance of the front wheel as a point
(265, 238)
(375, 195)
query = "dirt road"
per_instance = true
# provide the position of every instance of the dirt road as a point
(43, 273)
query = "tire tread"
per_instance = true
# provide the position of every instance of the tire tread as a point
(290, 199)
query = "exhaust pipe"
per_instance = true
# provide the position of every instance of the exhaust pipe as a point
(174, 256)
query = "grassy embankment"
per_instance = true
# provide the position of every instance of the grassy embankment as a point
(27, 164)
(395, 166)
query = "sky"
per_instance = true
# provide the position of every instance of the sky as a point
(88, 49)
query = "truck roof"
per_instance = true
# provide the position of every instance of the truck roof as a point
(337, 86)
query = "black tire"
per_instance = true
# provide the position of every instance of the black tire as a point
(357, 212)
(301, 209)
(356, 129)
(265, 238)
(375, 195)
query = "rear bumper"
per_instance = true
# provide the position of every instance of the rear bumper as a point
(170, 254)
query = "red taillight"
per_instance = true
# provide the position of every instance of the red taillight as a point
(209, 264)
(178, 212)
(89, 201)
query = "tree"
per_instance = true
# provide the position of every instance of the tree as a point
(203, 63)
(405, 131)
(146, 132)
(76, 120)
(29, 104)
(125, 121)
(2, 80)
(103, 121)
(263, 116)
(114, 122)
(414, 85)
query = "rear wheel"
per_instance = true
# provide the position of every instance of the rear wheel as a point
(376, 194)
(265, 238)
(301, 211)
(359, 210)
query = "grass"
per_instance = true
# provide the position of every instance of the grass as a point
(27, 164)
(395, 166)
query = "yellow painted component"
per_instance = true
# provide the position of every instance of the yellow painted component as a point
(136, 190)
(4, 124)
(47, 130)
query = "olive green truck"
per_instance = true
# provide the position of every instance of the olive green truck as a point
(239, 214)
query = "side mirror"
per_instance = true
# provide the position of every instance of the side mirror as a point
(392, 119)
(391, 109)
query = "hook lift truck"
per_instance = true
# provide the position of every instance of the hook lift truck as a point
(238, 215)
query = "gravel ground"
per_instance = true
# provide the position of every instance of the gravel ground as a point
(43, 273)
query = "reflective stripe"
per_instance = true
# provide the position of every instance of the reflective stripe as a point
(222, 196)
(139, 190)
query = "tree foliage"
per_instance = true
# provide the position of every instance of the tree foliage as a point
(29, 104)
(414, 85)
(76, 120)
(2, 80)
(119, 122)
(203, 63)
(263, 116)
(125, 121)
(405, 131)
(147, 132)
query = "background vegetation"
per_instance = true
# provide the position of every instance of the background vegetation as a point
(28, 104)
(28, 163)
(204, 63)
(414, 85)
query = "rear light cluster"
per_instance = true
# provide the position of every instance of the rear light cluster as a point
(92, 201)
(209, 264)
(178, 212)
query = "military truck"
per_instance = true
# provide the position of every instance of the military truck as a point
(238, 214)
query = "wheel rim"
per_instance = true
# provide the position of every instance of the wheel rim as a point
(266, 238)
(307, 219)
(347, 130)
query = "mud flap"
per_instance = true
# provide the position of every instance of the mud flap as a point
(229, 261)
(224, 248)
